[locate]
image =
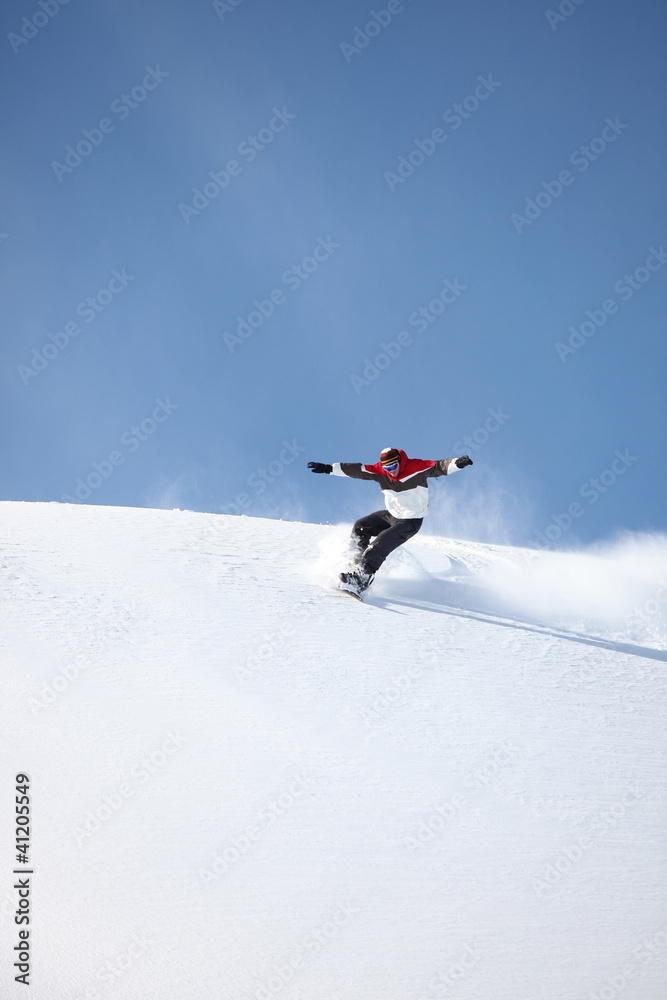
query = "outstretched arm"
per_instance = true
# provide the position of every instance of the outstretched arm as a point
(446, 466)
(354, 470)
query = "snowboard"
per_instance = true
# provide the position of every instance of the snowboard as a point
(346, 589)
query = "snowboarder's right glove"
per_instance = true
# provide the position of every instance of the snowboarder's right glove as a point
(461, 462)
(319, 467)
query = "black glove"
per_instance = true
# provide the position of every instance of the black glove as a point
(461, 462)
(319, 467)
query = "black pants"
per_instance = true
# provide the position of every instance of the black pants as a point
(389, 532)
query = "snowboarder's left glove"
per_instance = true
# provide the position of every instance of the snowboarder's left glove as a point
(461, 462)
(319, 467)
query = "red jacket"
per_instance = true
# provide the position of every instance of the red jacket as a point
(406, 493)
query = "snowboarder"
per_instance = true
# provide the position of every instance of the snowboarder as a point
(404, 482)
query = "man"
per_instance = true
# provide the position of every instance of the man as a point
(404, 482)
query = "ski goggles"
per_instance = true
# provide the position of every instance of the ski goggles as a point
(391, 466)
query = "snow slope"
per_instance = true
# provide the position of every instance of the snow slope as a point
(247, 785)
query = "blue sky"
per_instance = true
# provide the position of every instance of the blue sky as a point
(494, 113)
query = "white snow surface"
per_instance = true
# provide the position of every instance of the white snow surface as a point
(245, 784)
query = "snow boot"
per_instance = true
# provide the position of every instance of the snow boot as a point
(356, 582)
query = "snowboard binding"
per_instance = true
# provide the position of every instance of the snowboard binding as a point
(355, 583)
